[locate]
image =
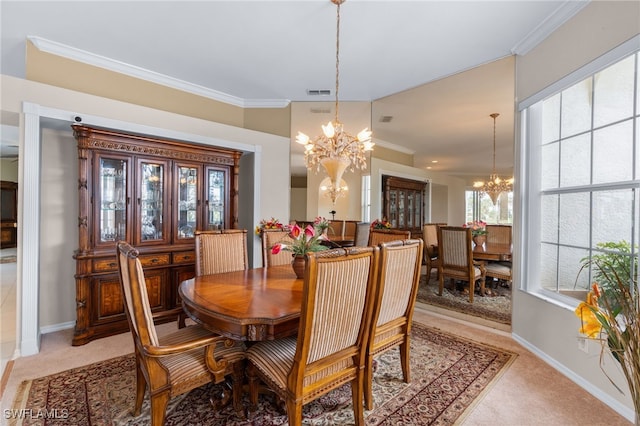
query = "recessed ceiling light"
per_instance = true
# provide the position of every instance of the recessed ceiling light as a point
(429, 167)
(434, 161)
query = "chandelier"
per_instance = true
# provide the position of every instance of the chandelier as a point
(334, 191)
(335, 149)
(495, 185)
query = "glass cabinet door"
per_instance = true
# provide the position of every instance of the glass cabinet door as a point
(112, 202)
(188, 201)
(151, 201)
(217, 198)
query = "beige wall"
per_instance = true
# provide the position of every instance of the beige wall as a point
(598, 28)
(58, 211)
(548, 327)
(9, 169)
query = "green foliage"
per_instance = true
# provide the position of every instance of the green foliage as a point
(614, 265)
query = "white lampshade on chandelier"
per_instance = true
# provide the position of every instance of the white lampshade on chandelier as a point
(335, 149)
(495, 185)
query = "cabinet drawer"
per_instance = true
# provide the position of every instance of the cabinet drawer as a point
(184, 257)
(105, 265)
(154, 259)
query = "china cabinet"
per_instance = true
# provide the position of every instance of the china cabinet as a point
(403, 203)
(154, 194)
(9, 216)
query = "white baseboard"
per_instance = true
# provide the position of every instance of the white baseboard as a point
(57, 327)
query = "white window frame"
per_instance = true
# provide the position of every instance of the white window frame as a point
(529, 229)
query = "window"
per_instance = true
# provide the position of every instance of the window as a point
(480, 207)
(584, 178)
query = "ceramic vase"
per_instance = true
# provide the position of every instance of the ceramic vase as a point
(479, 239)
(298, 263)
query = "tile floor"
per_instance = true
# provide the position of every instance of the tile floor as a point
(7, 309)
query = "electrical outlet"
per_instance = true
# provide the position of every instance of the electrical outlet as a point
(582, 344)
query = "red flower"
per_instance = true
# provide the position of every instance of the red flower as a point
(295, 231)
(276, 248)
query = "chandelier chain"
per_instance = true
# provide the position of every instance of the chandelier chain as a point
(337, 55)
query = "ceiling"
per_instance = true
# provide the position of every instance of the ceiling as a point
(439, 68)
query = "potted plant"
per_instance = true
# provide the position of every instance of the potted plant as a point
(611, 314)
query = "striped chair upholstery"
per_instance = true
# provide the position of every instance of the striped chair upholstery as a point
(377, 236)
(398, 280)
(456, 259)
(219, 251)
(330, 348)
(271, 237)
(177, 363)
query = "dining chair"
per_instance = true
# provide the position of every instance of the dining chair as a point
(221, 250)
(362, 234)
(179, 362)
(456, 259)
(500, 234)
(430, 252)
(271, 237)
(330, 347)
(398, 280)
(377, 236)
(501, 270)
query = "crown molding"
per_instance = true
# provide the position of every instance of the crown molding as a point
(394, 147)
(561, 15)
(89, 58)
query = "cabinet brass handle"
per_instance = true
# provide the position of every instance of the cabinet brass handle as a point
(154, 260)
(112, 264)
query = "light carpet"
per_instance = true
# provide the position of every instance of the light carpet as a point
(449, 375)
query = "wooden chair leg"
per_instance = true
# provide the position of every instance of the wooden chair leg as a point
(404, 360)
(356, 394)
(294, 411)
(159, 404)
(368, 382)
(141, 386)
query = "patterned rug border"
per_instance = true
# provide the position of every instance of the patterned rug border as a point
(378, 414)
(495, 308)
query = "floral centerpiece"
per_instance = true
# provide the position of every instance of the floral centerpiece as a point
(611, 314)
(381, 224)
(272, 223)
(309, 239)
(304, 241)
(321, 224)
(478, 227)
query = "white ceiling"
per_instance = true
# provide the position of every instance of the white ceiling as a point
(268, 53)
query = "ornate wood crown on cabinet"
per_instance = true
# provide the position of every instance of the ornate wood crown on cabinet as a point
(154, 194)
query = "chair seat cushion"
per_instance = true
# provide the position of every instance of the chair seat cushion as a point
(274, 358)
(462, 275)
(497, 268)
(189, 369)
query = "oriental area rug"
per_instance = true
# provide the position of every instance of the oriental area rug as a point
(449, 375)
(496, 307)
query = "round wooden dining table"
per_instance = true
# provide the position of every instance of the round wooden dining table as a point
(249, 305)
(492, 251)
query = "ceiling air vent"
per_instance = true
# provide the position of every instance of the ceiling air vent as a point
(386, 119)
(320, 110)
(318, 92)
